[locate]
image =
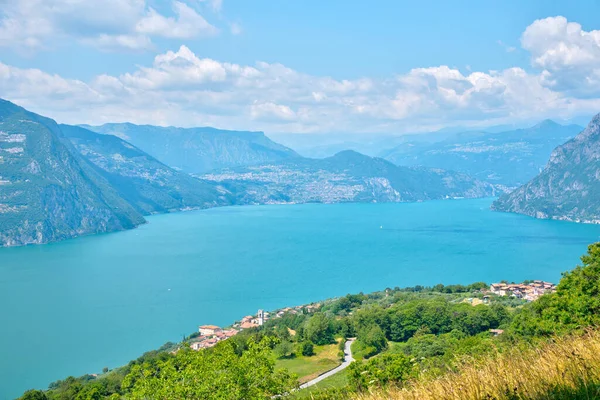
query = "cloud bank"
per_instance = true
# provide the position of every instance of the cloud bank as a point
(29, 25)
(182, 88)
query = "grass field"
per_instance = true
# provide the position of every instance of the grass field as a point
(338, 380)
(307, 368)
(565, 368)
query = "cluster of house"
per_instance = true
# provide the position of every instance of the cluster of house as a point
(528, 291)
(210, 335)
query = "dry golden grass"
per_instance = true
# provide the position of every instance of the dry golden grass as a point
(567, 368)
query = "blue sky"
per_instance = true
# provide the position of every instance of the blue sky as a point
(302, 66)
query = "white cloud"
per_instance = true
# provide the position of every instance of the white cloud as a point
(188, 23)
(181, 88)
(120, 42)
(271, 112)
(568, 55)
(108, 24)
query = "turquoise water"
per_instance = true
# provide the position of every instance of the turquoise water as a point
(74, 307)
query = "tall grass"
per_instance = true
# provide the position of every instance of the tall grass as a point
(566, 368)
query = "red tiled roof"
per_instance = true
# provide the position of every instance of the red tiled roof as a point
(209, 327)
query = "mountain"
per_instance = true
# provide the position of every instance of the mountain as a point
(198, 150)
(508, 158)
(143, 181)
(346, 177)
(568, 188)
(322, 145)
(49, 192)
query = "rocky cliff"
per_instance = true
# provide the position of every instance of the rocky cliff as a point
(47, 191)
(568, 188)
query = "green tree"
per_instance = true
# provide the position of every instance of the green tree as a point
(374, 337)
(284, 349)
(574, 306)
(217, 373)
(319, 330)
(380, 371)
(307, 348)
(34, 395)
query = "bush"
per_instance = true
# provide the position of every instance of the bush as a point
(380, 371)
(284, 349)
(307, 348)
(319, 329)
(34, 395)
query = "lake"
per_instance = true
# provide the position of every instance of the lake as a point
(77, 306)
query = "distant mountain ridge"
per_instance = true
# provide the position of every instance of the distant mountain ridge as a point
(198, 150)
(146, 183)
(347, 177)
(509, 158)
(569, 186)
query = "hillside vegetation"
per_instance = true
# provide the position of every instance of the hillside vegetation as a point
(566, 368)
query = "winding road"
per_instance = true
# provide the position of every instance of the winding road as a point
(347, 360)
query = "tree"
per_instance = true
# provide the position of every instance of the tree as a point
(319, 329)
(34, 395)
(380, 371)
(307, 348)
(217, 373)
(284, 349)
(374, 337)
(574, 306)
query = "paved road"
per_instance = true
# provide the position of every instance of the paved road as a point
(347, 360)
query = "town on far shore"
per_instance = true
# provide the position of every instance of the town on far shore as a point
(209, 335)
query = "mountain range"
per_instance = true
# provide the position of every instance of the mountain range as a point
(198, 150)
(62, 181)
(569, 186)
(509, 158)
(347, 177)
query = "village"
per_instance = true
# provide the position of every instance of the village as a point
(209, 335)
(529, 291)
